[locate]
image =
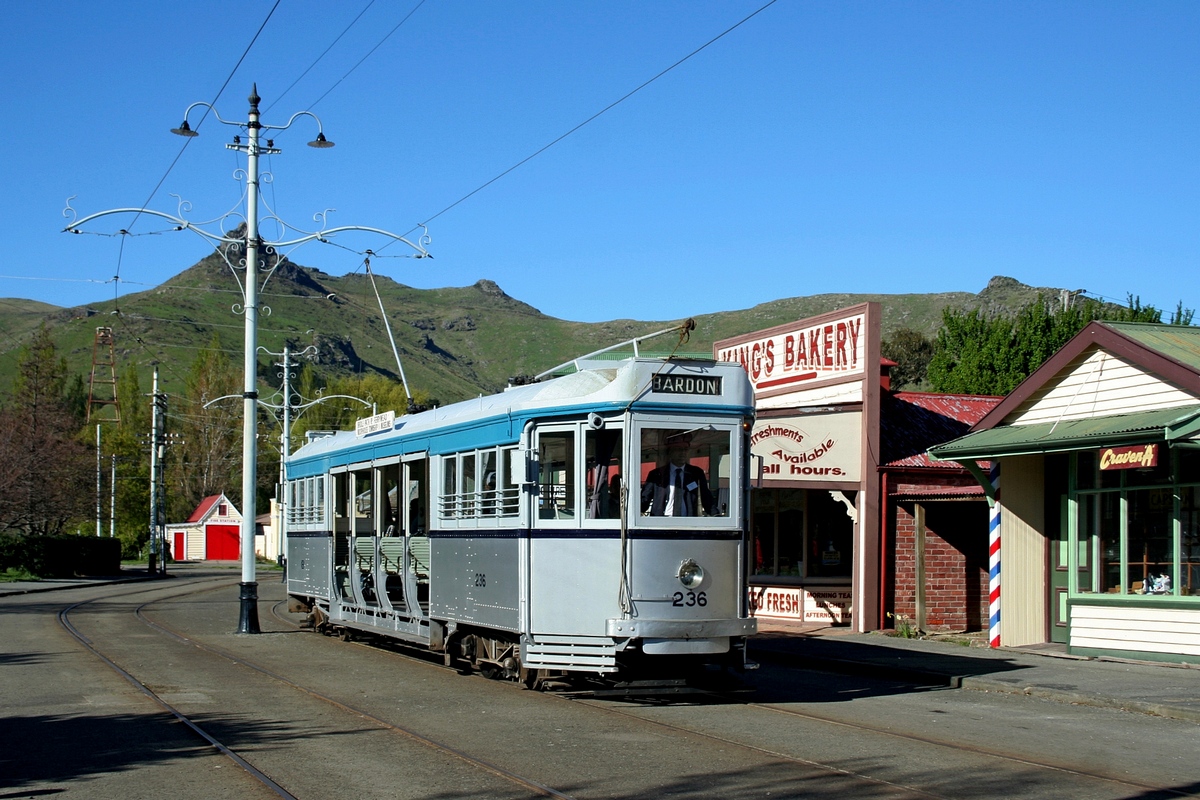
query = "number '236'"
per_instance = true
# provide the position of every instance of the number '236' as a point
(690, 599)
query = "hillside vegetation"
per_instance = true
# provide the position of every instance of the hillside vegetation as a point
(454, 342)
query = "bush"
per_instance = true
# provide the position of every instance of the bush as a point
(60, 556)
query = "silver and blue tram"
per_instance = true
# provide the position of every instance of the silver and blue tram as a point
(590, 524)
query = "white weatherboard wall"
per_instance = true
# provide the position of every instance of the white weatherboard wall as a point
(1142, 629)
(1098, 384)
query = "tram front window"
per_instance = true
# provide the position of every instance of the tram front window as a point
(685, 473)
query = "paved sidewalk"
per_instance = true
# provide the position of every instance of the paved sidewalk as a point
(1167, 690)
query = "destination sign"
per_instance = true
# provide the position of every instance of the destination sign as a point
(687, 384)
(380, 422)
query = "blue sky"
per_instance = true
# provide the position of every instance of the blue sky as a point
(818, 148)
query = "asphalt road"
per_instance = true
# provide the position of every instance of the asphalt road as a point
(322, 718)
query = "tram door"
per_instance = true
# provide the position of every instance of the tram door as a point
(414, 510)
(363, 519)
(342, 517)
(389, 573)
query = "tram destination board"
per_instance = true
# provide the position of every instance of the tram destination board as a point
(687, 384)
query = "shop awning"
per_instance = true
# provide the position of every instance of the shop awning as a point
(1167, 424)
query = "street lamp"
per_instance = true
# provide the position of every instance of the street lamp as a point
(248, 618)
(228, 247)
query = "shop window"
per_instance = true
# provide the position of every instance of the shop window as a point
(1126, 524)
(830, 537)
(777, 533)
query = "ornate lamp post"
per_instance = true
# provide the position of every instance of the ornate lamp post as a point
(244, 253)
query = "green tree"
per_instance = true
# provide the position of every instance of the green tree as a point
(128, 442)
(207, 460)
(911, 350)
(977, 354)
(45, 461)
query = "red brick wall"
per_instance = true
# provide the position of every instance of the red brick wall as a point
(956, 580)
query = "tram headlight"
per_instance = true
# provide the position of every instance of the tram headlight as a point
(691, 574)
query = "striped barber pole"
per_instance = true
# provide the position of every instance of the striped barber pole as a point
(994, 559)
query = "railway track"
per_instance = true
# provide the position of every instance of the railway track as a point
(639, 716)
(242, 760)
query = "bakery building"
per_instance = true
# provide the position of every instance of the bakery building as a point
(1096, 492)
(827, 529)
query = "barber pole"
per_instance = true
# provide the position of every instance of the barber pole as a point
(994, 559)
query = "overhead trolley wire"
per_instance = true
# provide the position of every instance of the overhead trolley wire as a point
(325, 52)
(602, 111)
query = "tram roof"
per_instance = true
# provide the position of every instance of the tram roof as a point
(487, 420)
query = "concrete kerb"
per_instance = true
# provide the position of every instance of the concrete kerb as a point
(876, 668)
(36, 587)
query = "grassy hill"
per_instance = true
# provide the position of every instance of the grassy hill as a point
(454, 342)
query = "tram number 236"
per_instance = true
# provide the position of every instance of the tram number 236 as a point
(689, 599)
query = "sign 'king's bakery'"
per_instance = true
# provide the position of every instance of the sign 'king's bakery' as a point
(804, 355)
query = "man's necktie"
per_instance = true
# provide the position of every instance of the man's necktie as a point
(677, 506)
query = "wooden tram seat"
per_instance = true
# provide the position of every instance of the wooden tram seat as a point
(418, 551)
(391, 554)
(364, 552)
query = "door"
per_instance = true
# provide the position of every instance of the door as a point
(221, 543)
(179, 554)
(1060, 578)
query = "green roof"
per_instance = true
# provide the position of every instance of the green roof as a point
(1178, 342)
(1050, 437)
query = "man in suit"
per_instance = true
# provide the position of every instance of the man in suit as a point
(677, 488)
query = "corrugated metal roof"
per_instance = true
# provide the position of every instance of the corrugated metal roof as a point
(912, 422)
(1178, 342)
(204, 506)
(1048, 437)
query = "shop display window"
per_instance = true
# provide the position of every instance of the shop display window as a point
(1139, 527)
(799, 533)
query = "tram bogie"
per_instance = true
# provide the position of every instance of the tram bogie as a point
(590, 525)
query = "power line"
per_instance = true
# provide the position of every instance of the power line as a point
(369, 53)
(325, 53)
(607, 108)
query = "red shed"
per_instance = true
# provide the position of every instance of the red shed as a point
(211, 533)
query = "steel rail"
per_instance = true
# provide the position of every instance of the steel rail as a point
(487, 766)
(257, 774)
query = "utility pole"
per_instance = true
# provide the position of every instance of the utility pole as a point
(241, 254)
(153, 560)
(99, 488)
(158, 554)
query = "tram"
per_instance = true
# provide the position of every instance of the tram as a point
(591, 524)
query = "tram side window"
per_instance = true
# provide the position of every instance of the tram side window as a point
(293, 505)
(684, 473)
(317, 497)
(556, 475)
(602, 453)
(390, 475)
(364, 508)
(508, 494)
(449, 504)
